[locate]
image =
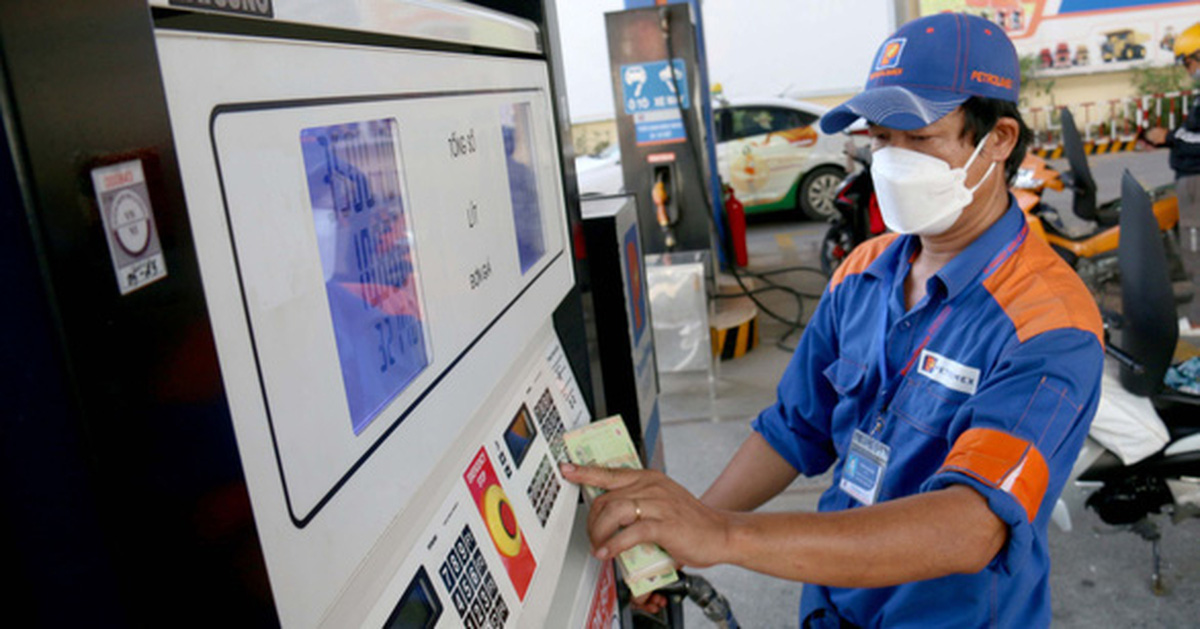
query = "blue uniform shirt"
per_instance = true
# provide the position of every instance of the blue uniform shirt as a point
(991, 381)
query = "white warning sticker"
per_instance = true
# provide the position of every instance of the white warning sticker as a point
(129, 227)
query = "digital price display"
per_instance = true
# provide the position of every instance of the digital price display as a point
(516, 124)
(366, 248)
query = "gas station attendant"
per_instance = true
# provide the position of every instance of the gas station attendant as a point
(948, 377)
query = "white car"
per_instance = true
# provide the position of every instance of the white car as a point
(771, 151)
(600, 174)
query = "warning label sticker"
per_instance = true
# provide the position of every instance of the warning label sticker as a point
(129, 226)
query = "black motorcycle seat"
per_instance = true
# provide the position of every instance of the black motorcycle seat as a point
(1105, 466)
(1053, 229)
(1108, 467)
(1056, 229)
(1181, 414)
(1178, 432)
(1179, 411)
(1107, 215)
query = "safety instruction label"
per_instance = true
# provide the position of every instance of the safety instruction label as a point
(129, 226)
(655, 93)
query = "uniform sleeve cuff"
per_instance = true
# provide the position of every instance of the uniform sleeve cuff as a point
(1010, 473)
(795, 446)
(1020, 533)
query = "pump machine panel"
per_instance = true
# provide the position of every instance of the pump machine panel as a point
(382, 241)
(426, 223)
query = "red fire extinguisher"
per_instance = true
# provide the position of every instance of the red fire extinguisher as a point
(736, 214)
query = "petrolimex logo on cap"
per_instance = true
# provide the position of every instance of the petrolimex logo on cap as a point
(890, 56)
(889, 59)
(948, 373)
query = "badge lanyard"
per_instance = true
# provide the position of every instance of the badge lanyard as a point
(881, 349)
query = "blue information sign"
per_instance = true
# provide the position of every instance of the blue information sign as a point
(649, 86)
(654, 93)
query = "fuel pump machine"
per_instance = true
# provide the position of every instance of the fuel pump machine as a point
(625, 340)
(363, 202)
(654, 60)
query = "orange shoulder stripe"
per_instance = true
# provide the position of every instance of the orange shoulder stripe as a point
(1004, 462)
(861, 258)
(1039, 292)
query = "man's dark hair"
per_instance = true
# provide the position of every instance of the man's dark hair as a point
(981, 116)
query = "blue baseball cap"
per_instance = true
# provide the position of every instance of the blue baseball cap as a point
(927, 69)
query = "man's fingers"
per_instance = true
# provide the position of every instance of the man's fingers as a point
(606, 478)
(625, 539)
(606, 517)
(614, 513)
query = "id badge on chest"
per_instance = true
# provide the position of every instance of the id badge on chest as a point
(862, 475)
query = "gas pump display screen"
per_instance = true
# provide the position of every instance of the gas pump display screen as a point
(516, 125)
(366, 251)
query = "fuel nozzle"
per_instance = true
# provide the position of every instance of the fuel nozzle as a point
(661, 197)
(698, 589)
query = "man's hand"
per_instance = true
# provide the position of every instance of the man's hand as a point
(645, 506)
(1156, 135)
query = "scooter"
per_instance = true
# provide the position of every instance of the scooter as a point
(1093, 254)
(858, 218)
(1168, 479)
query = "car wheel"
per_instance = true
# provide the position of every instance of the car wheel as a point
(817, 191)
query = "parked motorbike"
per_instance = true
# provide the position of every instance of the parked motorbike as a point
(1093, 253)
(1142, 338)
(858, 218)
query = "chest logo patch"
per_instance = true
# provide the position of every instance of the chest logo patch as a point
(948, 373)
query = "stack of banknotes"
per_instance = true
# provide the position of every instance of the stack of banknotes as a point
(606, 443)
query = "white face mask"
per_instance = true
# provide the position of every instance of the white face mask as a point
(920, 194)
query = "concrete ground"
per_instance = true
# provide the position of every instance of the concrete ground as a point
(1100, 575)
